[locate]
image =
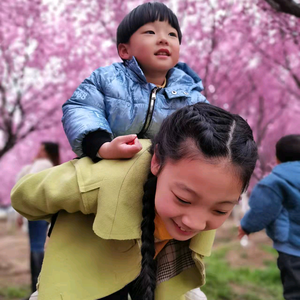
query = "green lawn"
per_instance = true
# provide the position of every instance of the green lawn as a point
(225, 282)
(11, 293)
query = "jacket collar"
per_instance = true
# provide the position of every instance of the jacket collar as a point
(180, 78)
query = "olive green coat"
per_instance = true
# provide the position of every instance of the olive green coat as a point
(94, 249)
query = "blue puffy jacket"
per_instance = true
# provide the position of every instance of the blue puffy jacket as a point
(275, 205)
(119, 100)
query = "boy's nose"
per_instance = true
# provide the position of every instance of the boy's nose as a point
(163, 41)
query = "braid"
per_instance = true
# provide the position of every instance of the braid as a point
(208, 130)
(147, 279)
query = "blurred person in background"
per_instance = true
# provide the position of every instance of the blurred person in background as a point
(47, 157)
(275, 205)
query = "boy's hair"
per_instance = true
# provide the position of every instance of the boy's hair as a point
(52, 150)
(143, 14)
(197, 130)
(288, 148)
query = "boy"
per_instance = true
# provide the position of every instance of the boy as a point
(275, 205)
(126, 100)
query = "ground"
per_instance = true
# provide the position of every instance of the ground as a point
(252, 256)
(14, 259)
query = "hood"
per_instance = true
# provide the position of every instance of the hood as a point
(290, 172)
(187, 70)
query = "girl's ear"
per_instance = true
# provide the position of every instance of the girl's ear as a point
(155, 166)
(123, 51)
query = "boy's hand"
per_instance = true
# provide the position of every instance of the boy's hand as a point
(241, 232)
(125, 146)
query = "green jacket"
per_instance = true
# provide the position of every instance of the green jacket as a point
(94, 249)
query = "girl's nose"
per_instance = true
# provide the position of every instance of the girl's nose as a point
(194, 223)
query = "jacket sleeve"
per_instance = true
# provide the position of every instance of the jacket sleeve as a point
(84, 112)
(92, 143)
(265, 206)
(39, 196)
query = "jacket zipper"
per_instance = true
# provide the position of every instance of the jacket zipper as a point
(149, 112)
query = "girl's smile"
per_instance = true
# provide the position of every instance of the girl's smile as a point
(182, 231)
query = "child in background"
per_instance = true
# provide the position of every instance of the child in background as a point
(125, 100)
(275, 205)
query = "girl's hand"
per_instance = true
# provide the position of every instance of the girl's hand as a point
(125, 146)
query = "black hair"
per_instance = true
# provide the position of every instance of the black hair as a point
(143, 14)
(52, 150)
(199, 129)
(288, 148)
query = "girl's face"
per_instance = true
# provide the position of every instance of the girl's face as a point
(155, 46)
(194, 195)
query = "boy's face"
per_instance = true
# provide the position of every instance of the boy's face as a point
(155, 46)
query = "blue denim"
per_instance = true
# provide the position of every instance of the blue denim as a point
(37, 235)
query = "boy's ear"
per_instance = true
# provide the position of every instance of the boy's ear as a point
(278, 161)
(123, 51)
(155, 166)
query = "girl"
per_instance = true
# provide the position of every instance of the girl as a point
(134, 97)
(200, 162)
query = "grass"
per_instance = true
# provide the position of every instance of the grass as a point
(233, 283)
(11, 292)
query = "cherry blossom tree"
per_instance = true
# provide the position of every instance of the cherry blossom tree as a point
(246, 53)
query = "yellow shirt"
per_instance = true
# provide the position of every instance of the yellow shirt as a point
(161, 234)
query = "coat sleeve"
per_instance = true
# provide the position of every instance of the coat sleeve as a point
(265, 207)
(84, 112)
(39, 196)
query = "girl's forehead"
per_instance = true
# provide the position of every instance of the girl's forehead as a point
(202, 175)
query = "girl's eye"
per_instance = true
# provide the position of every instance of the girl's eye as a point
(150, 32)
(173, 34)
(182, 201)
(221, 212)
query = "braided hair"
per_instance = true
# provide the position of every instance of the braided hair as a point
(146, 282)
(199, 129)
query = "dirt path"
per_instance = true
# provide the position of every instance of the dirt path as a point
(14, 258)
(252, 256)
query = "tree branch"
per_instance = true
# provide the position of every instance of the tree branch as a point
(286, 6)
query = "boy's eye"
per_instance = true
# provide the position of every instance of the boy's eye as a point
(173, 34)
(182, 201)
(150, 32)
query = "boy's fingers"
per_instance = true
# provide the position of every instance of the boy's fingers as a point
(138, 144)
(127, 138)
